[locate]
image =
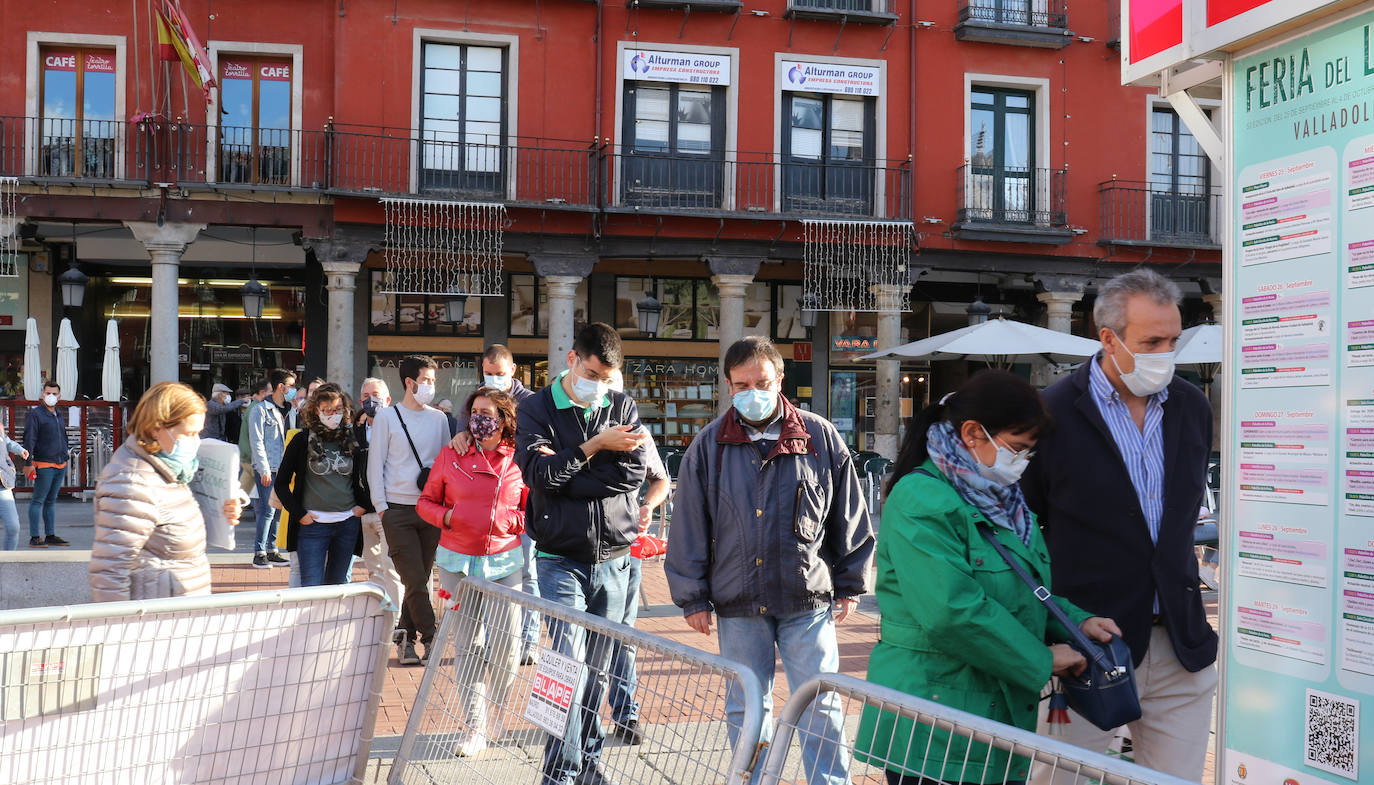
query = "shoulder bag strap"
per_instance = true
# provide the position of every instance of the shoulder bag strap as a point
(406, 431)
(1086, 646)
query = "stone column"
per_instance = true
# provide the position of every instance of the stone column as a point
(732, 276)
(561, 273)
(341, 282)
(888, 398)
(1059, 293)
(165, 244)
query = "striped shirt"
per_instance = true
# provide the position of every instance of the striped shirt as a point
(1141, 450)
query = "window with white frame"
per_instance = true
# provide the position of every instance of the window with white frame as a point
(463, 122)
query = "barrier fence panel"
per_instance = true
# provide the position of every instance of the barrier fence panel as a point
(474, 687)
(227, 689)
(887, 731)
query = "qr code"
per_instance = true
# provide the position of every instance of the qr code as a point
(1333, 734)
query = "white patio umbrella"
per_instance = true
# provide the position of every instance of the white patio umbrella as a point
(66, 360)
(109, 370)
(1199, 345)
(33, 362)
(998, 342)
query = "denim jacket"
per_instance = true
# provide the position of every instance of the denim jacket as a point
(266, 437)
(7, 470)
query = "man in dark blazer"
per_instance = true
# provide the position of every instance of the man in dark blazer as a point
(1117, 486)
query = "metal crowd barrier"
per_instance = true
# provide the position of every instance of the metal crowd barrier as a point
(888, 731)
(474, 685)
(251, 687)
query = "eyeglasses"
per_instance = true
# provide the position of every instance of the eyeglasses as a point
(325, 412)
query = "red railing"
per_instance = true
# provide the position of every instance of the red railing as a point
(98, 433)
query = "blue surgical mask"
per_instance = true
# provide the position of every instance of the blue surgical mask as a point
(755, 405)
(589, 390)
(501, 383)
(290, 394)
(182, 459)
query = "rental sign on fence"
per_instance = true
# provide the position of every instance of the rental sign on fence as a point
(552, 692)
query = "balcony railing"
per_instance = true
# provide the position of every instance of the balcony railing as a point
(1011, 196)
(1027, 13)
(1141, 213)
(877, 11)
(757, 184)
(521, 171)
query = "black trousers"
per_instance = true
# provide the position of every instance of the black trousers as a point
(411, 542)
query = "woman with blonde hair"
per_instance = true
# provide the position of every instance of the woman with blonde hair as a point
(149, 533)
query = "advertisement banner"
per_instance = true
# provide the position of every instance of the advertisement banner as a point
(1300, 607)
(648, 65)
(829, 77)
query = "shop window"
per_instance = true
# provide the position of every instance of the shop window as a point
(827, 149)
(418, 314)
(255, 122)
(79, 130)
(673, 145)
(787, 317)
(675, 398)
(529, 314)
(463, 119)
(454, 380)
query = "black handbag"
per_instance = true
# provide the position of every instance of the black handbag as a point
(1104, 693)
(424, 470)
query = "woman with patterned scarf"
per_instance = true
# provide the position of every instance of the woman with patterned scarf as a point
(958, 626)
(320, 487)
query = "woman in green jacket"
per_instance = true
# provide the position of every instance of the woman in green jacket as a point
(958, 626)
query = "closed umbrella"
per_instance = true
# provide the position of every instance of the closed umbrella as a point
(998, 342)
(66, 360)
(109, 370)
(33, 362)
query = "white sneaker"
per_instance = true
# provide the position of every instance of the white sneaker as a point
(470, 744)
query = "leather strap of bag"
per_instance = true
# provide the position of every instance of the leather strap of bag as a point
(1085, 646)
(406, 431)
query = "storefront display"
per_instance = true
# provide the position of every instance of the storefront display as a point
(676, 398)
(417, 313)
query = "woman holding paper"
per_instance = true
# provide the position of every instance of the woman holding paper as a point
(9, 514)
(149, 533)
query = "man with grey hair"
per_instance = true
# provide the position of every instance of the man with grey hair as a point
(374, 396)
(1117, 486)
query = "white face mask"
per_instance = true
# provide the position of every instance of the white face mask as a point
(1007, 467)
(1152, 373)
(424, 393)
(331, 421)
(501, 383)
(50, 399)
(589, 391)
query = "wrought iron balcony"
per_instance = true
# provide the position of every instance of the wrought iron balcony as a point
(1037, 23)
(1141, 213)
(1013, 204)
(881, 12)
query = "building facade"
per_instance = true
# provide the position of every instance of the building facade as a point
(653, 150)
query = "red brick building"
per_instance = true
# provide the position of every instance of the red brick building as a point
(671, 148)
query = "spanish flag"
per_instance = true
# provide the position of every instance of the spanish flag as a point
(176, 41)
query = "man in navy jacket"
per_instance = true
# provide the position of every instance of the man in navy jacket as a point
(1117, 487)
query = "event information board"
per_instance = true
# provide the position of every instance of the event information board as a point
(1300, 610)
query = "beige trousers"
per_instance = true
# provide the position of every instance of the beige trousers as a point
(380, 570)
(1176, 718)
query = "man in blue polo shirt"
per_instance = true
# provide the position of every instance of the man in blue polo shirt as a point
(45, 437)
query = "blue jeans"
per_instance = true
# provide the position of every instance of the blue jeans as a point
(325, 551)
(598, 589)
(45, 488)
(9, 517)
(624, 707)
(806, 643)
(265, 537)
(529, 584)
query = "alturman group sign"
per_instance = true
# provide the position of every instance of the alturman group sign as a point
(648, 65)
(801, 76)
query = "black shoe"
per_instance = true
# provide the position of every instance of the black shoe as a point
(53, 539)
(424, 658)
(628, 732)
(528, 656)
(260, 561)
(407, 655)
(594, 775)
(275, 559)
(37, 542)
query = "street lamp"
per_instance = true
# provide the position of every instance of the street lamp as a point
(650, 311)
(977, 311)
(73, 283)
(254, 297)
(809, 304)
(455, 307)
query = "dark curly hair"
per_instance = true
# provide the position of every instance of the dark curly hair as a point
(505, 406)
(343, 435)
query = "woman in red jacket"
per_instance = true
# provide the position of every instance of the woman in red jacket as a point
(477, 499)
